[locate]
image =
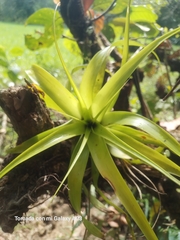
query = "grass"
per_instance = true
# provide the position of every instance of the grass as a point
(19, 57)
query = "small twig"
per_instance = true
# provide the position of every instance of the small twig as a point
(169, 80)
(104, 13)
(172, 90)
(69, 38)
(144, 107)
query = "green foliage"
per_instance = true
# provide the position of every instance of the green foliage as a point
(155, 4)
(101, 132)
(44, 39)
(143, 22)
(100, 5)
(169, 232)
(15, 56)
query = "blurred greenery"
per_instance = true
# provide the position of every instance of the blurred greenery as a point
(15, 58)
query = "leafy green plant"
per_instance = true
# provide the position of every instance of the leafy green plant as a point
(44, 37)
(102, 132)
(141, 25)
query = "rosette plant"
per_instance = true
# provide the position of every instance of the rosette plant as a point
(102, 132)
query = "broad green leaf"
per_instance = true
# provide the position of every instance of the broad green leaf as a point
(102, 5)
(137, 44)
(138, 14)
(44, 37)
(62, 133)
(75, 178)
(135, 120)
(136, 149)
(57, 92)
(109, 171)
(34, 43)
(143, 13)
(137, 29)
(106, 95)
(71, 46)
(43, 16)
(144, 28)
(142, 20)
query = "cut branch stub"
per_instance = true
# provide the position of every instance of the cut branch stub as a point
(41, 174)
(27, 112)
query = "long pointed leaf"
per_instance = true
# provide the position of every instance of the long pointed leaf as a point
(49, 102)
(150, 153)
(28, 143)
(137, 134)
(126, 35)
(135, 120)
(63, 133)
(76, 154)
(57, 92)
(76, 175)
(114, 85)
(93, 76)
(95, 177)
(138, 150)
(109, 171)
